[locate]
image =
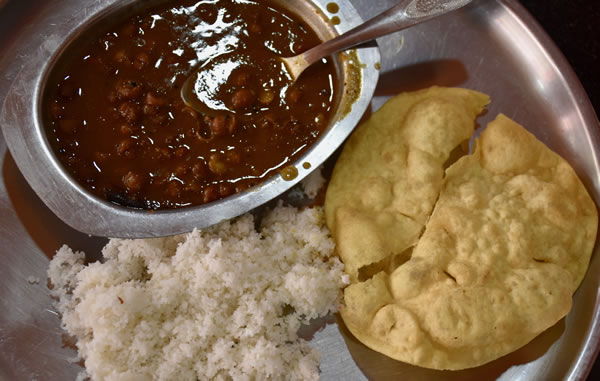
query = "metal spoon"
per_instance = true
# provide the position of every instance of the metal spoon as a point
(401, 16)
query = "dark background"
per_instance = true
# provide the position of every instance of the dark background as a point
(574, 25)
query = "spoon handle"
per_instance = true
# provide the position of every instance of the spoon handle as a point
(401, 16)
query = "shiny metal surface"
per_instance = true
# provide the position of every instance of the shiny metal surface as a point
(491, 45)
(38, 51)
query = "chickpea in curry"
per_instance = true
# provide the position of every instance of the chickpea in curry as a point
(118, 125)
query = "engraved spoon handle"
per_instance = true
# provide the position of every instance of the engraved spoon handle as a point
(401, 16)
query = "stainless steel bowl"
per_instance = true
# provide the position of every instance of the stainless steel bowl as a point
(23, 129)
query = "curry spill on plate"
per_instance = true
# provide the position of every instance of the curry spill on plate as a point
(433, 256)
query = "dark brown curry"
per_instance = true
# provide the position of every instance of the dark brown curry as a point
(118, 124)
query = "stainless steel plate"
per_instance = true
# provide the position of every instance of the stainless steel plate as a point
(493, 46)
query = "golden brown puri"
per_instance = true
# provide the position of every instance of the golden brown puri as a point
(389, 174)
(508, 241)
